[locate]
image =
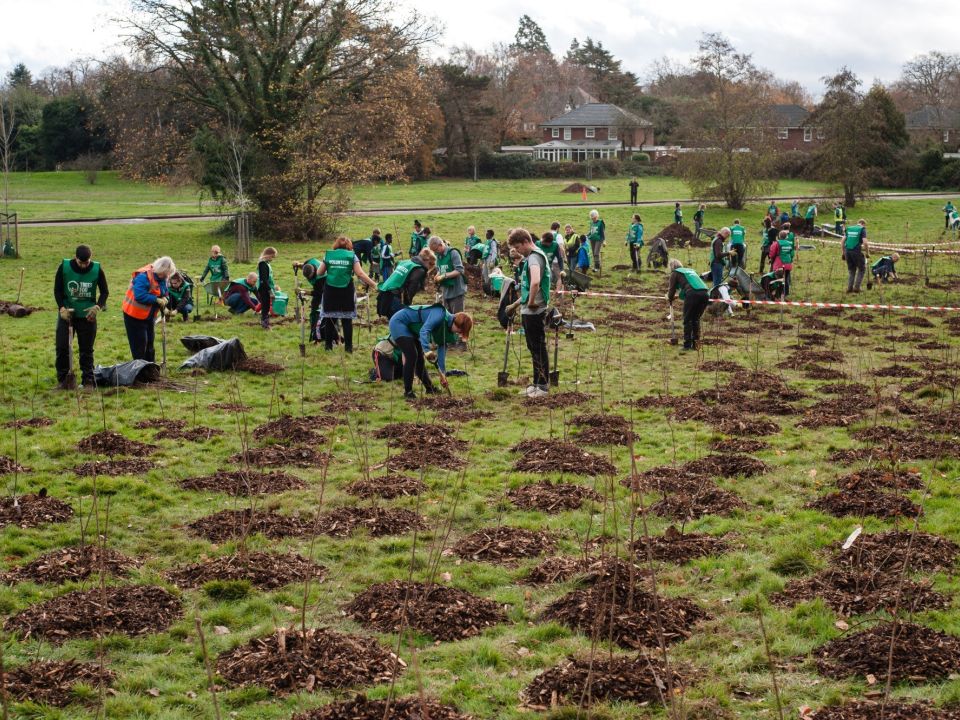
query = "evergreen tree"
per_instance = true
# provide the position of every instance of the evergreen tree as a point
(530, 37)
(20, 77)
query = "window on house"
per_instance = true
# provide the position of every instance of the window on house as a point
(946, 136)
(555, 132)
(566, 133)
(783, 133)
(807, 134)
(820, 135)
(590, 132)
(612, 133)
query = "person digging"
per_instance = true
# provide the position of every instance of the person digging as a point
(405, 281)
(146, 296)
(855, 254)
(693, 292)
(772, 284)
(316, 281)
(884, 269)
(422, 333)
(80, 291)
(181, 296)
(241, 295)
(533, 304)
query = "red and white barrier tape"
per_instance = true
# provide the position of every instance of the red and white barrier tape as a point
(895, 248)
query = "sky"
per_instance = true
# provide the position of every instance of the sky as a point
(799, 41)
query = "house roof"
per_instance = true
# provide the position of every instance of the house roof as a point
(790, 116)
(597, 114)
(580, 144)
(926, 118)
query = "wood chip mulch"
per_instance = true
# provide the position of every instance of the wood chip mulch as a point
(603, 429)
(409, 431)
(728, 466)
(544, 455)
(296, 430)
(836, 412)
(258, 366)
(109, 443)
(879, 479)
(387, 487)
(70, 564)
(408, 708)
(865, 502)
(439, 453)
(677, 547)
(587, 569)
(454, 415)
(552, 497)
(130, 609)
(267, 571)
(377, 521)
(114, 467)
(887, 552)
(721, 366)
(8, 466)
(558, 400)
(877, 710)
(31, 510)
(302, 456)
(739, 445)
(230, 524)
(441, 612)
(503, 544)
(34, 422)
(666, 479)
(920, 654)
(761, 427)
(623, 614)
(240, 483)
(51, 682)
(588, 680)
(709, 500)
(289, 661)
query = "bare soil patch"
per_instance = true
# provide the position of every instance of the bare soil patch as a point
(51, 682)
(544, 455)
(70, 564)
(122, 466)
(674, 546)
(377, 521)
(289, 661)
(130, 610)
(860, 502)
(31, 510)
(107, 442)
(503, 544)
(241, 483)
(258, 366)
(387, 487)
(267, 571)
(443, 613)
(229, 524)
(552, 497)
(408, 708)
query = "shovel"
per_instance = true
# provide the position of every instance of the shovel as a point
(555, 373)
(163, 340)
(19, 287)
(503, 377)
(70, 381)
(673, 328)
(301, 312)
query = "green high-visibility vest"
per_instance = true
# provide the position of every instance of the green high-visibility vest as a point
(445, 265)
(696, 283)
(737, 234)
(442, 335)
(178, 295)
(636, 234)
(375, 251)
(398, 277)
(496, 283)
(881, 261)
(787, 250)
(853, 237)
(317, 277)
(215, 266)
(416, 243)
(544, 280)
(811, 211)
(339, 267)
(597, 230)
(472, 241)
(551, 250)
(80, 291)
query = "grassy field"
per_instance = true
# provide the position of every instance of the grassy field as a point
(771, 541)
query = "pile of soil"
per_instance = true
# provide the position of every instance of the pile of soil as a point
(738, 445)
(51, 682)
(107, 442)
(897, 371)
(31, 510)
(916, 321)
(728, 466)
(544, 455)
(552, 497)
(680, 236)
(721, 366)
(730, 425)
(16, 310)
(861, 502)
(818, 372)
(615, 611)
(126, 466)
(887, 551)
(409, 708)
(602, 429)
(131, 610)
(289, 661)
(674, 546)
(877, 479)
(836, 412)
(266, 571)
(407, 431)
(439, 453)
(849, 592)
(592, 569)
(258, 366)
(377, 521)
(387, 487)
(815, 323)
(588, 680)
(229, 524)
(441, 612)
(876, 710)
(711, 500)
(295, 429)
(919, 654)
(849, 389)
(559, 400)
(34, 422)
(8, 466)
(301, 456)
(70, 564)
(241, 483)
(230, 407)
(503, 544)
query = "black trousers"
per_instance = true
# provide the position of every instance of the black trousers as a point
(635, 256)
(330, 332)
(86, 333)
(694, 304)
(536, 336)
(140, 335)
(263, 295)
(740, 251)
(413, 363)
(856, 269)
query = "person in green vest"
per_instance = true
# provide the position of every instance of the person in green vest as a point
(718, 255)
(773, 212)
(885, 268)
(339, 302)
(783, 252)
(855, 254)
(240, 295)
(216, 267)
(491, 250)
(80, 291)
(947, 210)
(533, 303)
(387, 259)
(597, 235)
(954, 220)
(772, 284)
(553, 250)
(450, 277)
(423, 333)
(677, 214)
(387, 361)
(266, 287)
(738, 245)
(635, 242)
(471, 243)
(693, 291)
(311, 273)
(698, 220)
(839, 216)
(181, 296)
(375, 258)
(809, 218)
(403, 284)
(418, 238)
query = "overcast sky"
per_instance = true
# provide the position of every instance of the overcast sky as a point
(799, 41)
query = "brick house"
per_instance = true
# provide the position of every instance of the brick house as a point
(941, 129)
(791, 130)
(593, 131)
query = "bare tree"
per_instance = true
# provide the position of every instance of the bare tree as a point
(7, 136)
(933, 81)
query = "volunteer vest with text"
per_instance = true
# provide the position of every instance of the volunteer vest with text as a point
(544, 279)
(80, 290)
(737, 234)
(853, 237)
(398, 277)
(215, 266)
(787, 250)
(445, 265)
(695, 282)
(339, 267)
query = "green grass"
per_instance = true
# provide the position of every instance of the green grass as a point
(482, 675)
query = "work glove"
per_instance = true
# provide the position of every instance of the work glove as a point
(162, 303)
(256, 308)
(92, 312)
(66, 314)
(431, 356)
(297, 266)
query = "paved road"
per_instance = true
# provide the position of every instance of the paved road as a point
(78, 222)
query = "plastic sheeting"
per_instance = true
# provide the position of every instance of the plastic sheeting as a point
(223, 356)
(126, 374)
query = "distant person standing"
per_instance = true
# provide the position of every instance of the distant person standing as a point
(266, 288)
(450, 275)
(839, 218)
(533, 302)
(855, 254)
(947, 210)
(634, 186)
(698, 220)
(718, 256)
(677, 214)
(772, 211)
(597, 235)
(216, 267)
(809, 218)
(418, 239)
(635, 241)
(80, 290)
(339, 265)
(738, 247)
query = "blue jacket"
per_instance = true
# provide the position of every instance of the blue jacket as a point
(583, 257)
(142, 294)
(433, 319)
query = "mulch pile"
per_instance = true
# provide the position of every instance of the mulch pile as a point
(613, 610)
(258, 366)
(230, 407)
(463, 416)
(879, 479)
(9, 466)
(387, 487)
(124, 466)
(72, 563)
(837, 412)
(897, 371)
(730, 425)
(29, 511)
(443, 613)
(407, 431)
(107, 442)
(131, 610)
(170, 429)
(267, 571)
(295, 429)
(849, 592)
(601, 429)
(438, 453)
(818, 372)
(229, 524)
(680, 236)
(591, 569)
(409, 708)
(865, 502)
(588, 680)
(886, 552)
(503, 544)
(721, 366)
(552, 497)
(51, 682)
(34, 422)
(239, 483)
(710, 500)
(728, 466)
(668, 479)
(738, 445)
(544, 455)
(674, 546)
(377, 521)
(275, 455)
(919, 654)
(875, 710)
(802, 358)
(916, 321)
(287, 661)
(559, 400)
